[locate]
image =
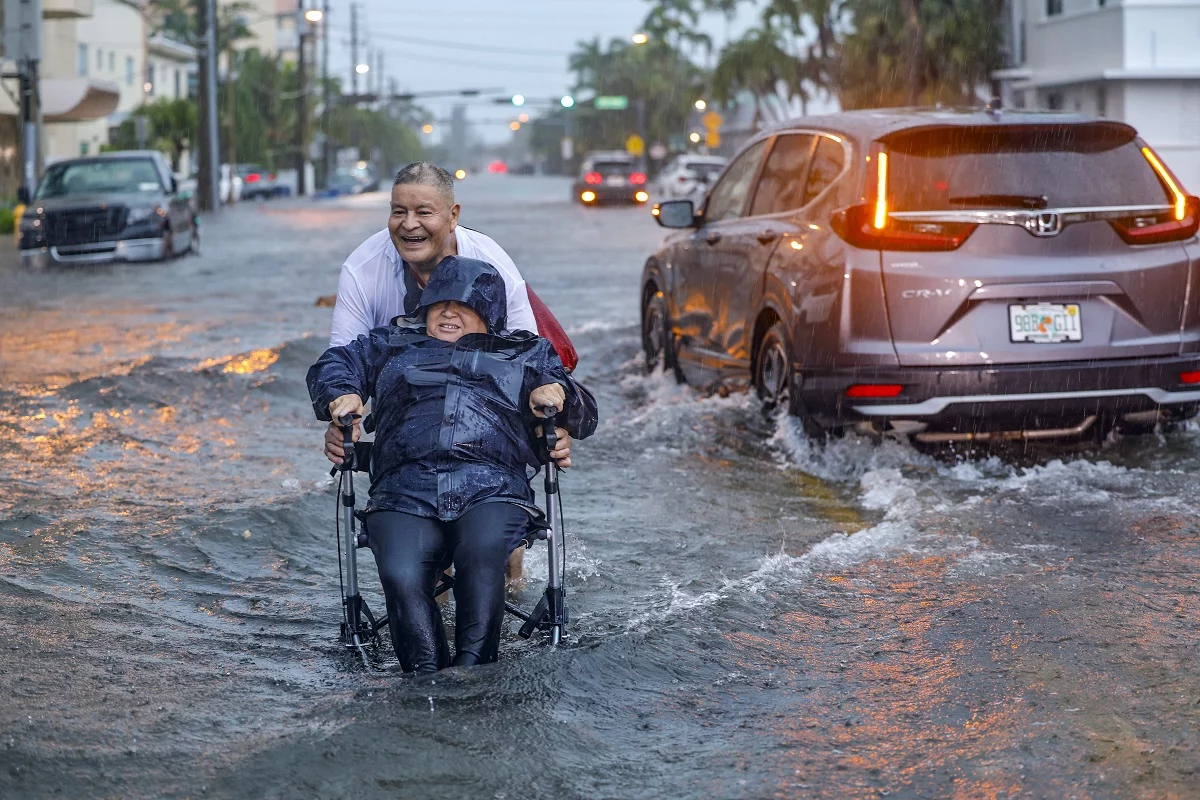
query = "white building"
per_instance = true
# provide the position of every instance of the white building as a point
(1137, 61)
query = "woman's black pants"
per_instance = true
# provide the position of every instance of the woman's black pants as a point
(412, 552)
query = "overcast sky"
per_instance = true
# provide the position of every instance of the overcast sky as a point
(514, 46)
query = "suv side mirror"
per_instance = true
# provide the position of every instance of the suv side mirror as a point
(174, 188)
(675, 214)
(23, 195)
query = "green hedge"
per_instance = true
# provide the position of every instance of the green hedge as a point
(7, 222)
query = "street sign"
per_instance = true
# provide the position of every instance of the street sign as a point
(658, 151)
(612, 102)
(712, 121)
(635, 146)
(568, 148)
(712, 140)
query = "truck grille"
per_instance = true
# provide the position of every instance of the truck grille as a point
(83, 225)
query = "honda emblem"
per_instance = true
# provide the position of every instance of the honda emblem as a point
(1047, 223)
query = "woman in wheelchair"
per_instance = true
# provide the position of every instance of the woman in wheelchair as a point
(455, 404)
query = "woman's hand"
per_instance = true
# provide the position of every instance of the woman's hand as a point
(552, 394)
(346, 404)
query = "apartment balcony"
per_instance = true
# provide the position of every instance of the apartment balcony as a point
(67, 9)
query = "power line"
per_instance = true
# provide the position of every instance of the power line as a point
(443, 45)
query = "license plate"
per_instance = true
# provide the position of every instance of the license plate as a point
(615, 180)
(1045, 323)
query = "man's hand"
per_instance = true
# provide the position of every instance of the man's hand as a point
(552, 394)
(346, 404)
(562, 448)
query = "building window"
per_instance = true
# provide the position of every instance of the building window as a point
(1053, 7)
(1055, 101)
(99, 59)
(129, 70)
(150, 79)
(83, 148)
(112, 61)
(83, 62)
(178, 84)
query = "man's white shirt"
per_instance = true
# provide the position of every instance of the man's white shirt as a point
(371, 286)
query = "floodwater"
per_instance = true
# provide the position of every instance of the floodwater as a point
(755, 615)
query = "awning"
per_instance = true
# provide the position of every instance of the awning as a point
(78, 99)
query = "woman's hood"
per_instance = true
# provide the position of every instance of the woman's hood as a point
(469, 281)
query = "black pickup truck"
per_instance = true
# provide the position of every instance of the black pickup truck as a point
(121, 206)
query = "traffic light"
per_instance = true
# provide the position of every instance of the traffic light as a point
(518, 99)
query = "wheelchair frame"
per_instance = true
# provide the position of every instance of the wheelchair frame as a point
(360, 627)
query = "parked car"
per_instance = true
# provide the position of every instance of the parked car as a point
(257, 182)
(609, 177)
(690, 176)
(949, 275)
(121, 206)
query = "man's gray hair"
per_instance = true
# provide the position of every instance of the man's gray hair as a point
(426, 173)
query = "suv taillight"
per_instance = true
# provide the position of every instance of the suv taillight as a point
(1160, 228)
(856, 226)
(593, 178)
(869, 226)
(253, 177)
(637, 178)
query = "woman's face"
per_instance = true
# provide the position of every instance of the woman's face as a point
(450, 321)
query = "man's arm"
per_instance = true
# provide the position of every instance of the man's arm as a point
(352, 315)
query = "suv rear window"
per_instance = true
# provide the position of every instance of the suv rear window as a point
(612, 168)
(1019, 166)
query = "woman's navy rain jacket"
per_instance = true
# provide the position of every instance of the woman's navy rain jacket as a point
(453, 425)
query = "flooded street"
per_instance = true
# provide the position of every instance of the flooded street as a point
(755, 615)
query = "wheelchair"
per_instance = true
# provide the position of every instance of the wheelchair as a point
(360, 627)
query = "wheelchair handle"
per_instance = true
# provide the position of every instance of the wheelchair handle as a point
(346, 423)
(549, 433)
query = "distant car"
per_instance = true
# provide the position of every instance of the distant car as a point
(257, 182)
(121, 206)
(946, 275)
(609, 177)
(689, 176)
(498, 168)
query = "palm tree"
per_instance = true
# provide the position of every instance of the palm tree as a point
(757, 63)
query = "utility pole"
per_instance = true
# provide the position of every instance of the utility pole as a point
(326, 161)
(23, 43)
(379, 85)
(354, 48)
(302, 26)
(209, 183)
(230, 114)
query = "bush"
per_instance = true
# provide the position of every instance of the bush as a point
(7, 221)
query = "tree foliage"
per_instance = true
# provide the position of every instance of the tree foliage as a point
(659, 80)
(867, 53)
(170, 128)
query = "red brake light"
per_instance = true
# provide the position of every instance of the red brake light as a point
(874, 390)
(1160, 228)
(856, 227)
(1189, 377)
(593, 178)
(637, 178)
(253, 177)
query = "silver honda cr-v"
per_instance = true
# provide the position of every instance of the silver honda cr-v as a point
(948, 274)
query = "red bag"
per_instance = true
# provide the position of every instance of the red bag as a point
(548, 328)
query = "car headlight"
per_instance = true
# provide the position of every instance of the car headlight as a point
(143, 213)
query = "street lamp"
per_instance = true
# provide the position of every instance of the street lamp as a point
(518, 99)
(314, 15)
(694, 137)
(362, 69)
(701, 105)
(640, 38)
(426, 129)
(514, 126)
(567, 101)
